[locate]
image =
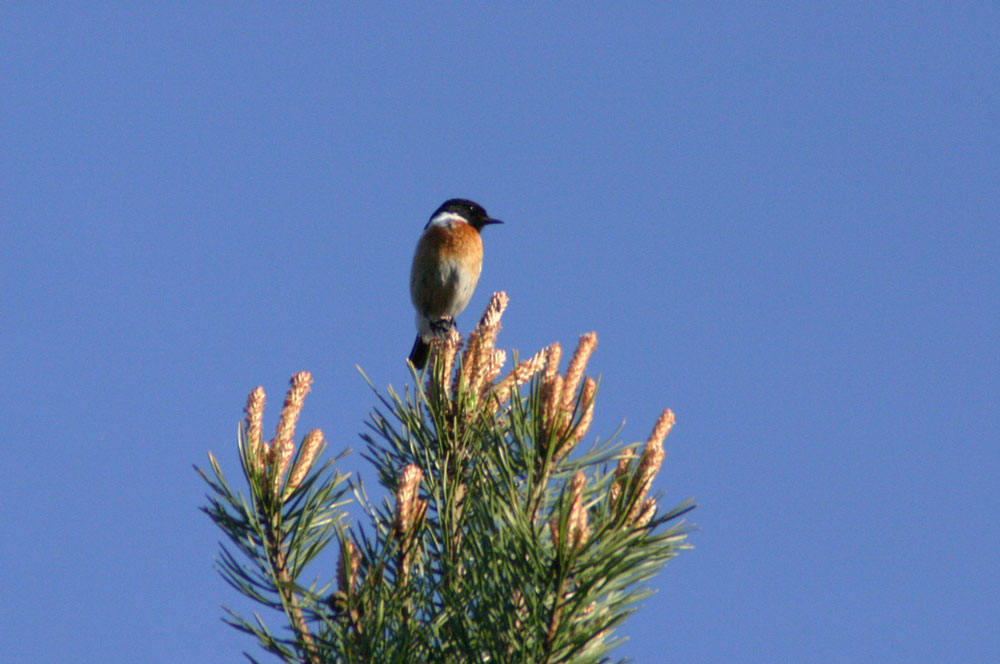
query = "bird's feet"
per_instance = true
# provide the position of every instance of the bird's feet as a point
(442, 325)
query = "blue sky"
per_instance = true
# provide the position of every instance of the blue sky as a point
(781, 221)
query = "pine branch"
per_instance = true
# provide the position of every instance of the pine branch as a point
(501, 539)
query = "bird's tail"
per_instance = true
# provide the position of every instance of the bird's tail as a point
(418, 356)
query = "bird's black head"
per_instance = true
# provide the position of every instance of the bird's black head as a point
(473, 213)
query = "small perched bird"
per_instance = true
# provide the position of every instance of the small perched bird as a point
(445, 270)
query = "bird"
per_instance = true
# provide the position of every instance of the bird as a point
(446, 267)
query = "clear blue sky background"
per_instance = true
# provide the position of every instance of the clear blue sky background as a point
(781, 221)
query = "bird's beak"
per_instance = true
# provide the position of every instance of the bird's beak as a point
(492, 221)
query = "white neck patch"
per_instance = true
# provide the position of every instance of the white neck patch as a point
(446, 219)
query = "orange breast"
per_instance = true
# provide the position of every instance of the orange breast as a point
(445, 269)
(457, 242)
